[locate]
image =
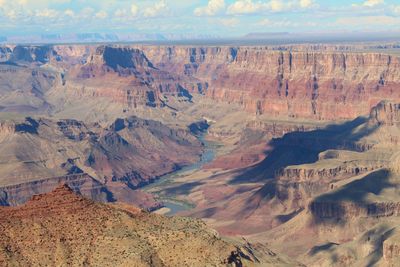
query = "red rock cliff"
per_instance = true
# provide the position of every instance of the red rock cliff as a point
(322, 85)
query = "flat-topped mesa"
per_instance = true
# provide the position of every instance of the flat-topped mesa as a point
(387, 113)
(123, 61)
(125, 58)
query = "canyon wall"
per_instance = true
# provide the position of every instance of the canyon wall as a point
(335, 210)
(288, 82)
(320, 85)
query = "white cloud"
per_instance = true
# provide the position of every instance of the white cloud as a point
(86, 12)
(306, 3)
(397, 10)
(278, 5)
(370, 3)
(11, 14)
(134, 10)
(251, 7)
(155, 10)
(101, 14)
(47, 13)
(120, 13)
(244, 7)
(69, 13)
(213, 7)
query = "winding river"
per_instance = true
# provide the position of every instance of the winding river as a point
(177, 206)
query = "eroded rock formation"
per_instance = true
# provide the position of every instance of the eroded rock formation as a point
(292, 82)
(321, 85)
(104, 163)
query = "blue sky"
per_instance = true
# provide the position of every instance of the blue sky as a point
(208, 17)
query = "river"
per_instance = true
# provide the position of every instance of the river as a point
(169, 202)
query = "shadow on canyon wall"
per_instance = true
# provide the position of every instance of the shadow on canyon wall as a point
(355, 199)
(297, 148)
(358, 190)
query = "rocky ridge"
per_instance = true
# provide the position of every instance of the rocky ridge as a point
(62, 228)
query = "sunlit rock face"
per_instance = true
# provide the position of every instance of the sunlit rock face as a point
(301, 83)
(322, 85)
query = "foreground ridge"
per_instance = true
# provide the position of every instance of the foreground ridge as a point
(63, 228)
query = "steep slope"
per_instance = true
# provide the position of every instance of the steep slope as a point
(104, 162)
(313, 84)
(339, 207)
(23, 89)
(61, 228)
(294, 81)
(125, 75)
(340, 171)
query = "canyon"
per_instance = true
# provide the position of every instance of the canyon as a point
(305, 142)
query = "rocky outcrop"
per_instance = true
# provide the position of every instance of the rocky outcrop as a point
(315, 174)
(62, 228)
(343, 210)
(278, 129)
(391, 249)
(296, 186)
(387, 113)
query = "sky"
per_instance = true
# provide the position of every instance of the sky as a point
(198, 17)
